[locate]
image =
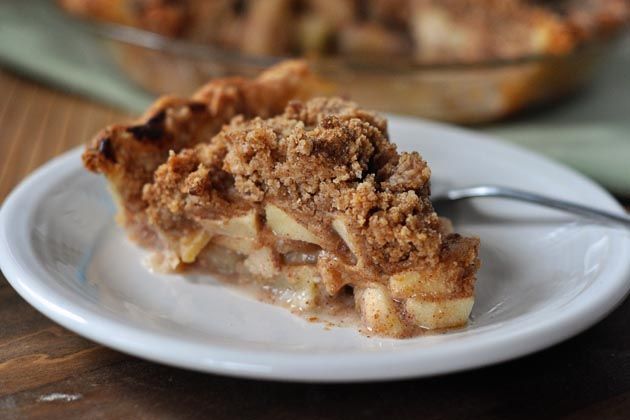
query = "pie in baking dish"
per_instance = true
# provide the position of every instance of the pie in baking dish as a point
(308, 201)
(430, 31)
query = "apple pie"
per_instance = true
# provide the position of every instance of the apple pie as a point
(307, 201)
(430, 31)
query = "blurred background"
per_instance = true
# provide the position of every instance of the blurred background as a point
(551, 75)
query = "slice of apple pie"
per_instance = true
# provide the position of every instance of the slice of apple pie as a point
(308, 201)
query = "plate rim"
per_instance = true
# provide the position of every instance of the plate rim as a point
(223, 360)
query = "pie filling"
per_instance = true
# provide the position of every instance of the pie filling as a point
(307, 202)
(274, 253)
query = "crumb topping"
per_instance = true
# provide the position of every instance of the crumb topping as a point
(321, 159)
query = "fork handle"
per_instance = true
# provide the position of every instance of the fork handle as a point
(514, 194)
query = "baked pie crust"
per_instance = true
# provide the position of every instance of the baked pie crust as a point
(308, 201)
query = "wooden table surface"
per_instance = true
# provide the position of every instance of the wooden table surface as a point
(49, 372)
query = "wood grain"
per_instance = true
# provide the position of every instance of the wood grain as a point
(49, 372)
(37, 123)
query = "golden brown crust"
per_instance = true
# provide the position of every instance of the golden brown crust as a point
(129, 154)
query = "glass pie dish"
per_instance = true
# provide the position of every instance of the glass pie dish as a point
(466, 92)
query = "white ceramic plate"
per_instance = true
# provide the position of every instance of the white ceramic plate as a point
(545, 276)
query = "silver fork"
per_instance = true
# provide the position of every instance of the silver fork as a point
(478, 191)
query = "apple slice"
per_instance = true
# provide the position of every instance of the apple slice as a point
(190, 246)
(303, 291)
(411, 283)
(439, 314)
(378, 310)
(286, 226)
(340, 226)
(245, 226)
(300, 274)
(263, 262)
(243, 246)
